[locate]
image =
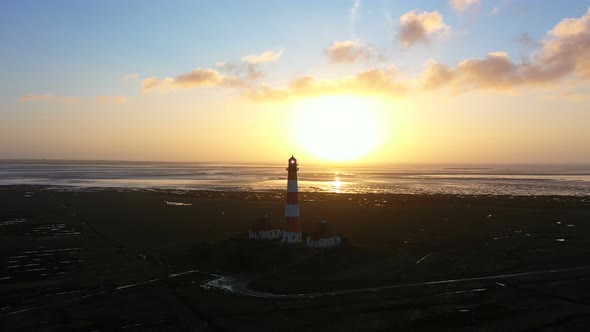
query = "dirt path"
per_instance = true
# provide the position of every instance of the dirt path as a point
(239, 284)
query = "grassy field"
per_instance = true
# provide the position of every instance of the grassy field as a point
(109, 260)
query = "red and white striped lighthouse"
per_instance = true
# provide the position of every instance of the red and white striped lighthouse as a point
(292, 233)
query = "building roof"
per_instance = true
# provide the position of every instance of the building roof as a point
(262, 224)
(321, 231)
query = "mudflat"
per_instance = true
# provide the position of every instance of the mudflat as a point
(145, 259)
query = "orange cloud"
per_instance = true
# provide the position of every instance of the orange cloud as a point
(416, 27)
(436, 75)
(264, 57)
(565, 52)
(200, 77)
(348, 51)
(371, 82)
(248, 72)
(494, 71)
(229, 74)
(464, 5)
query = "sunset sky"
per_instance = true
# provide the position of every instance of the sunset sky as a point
(462, 81)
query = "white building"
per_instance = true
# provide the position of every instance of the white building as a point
(272, 234)
(322, 238)
(262, 229)
(323, 242)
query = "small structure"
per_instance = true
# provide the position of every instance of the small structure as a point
(262, 229)
(322, 238)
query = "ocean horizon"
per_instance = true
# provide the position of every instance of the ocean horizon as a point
(457, 179)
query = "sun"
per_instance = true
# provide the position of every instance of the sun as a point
(338, 127)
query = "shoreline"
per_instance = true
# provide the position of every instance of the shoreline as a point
(164, 190)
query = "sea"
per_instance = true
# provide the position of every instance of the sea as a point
(419, 179)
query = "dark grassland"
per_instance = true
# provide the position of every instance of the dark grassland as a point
(109, 260)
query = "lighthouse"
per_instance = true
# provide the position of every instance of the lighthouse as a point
(292, 233)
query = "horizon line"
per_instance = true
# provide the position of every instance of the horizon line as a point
(315, 162)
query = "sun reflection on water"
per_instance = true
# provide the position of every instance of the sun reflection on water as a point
(336, 185)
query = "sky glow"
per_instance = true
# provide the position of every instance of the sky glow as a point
(234, 81)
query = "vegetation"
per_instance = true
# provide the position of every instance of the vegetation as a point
(244, 255)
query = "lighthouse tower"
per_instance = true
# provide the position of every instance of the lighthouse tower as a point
(292, 233)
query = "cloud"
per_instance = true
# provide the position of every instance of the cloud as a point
(375, 81)
(348, 51)
(463, 5)
(150, 84)
(565, 52)
(51, 98)
(264, 57)
(354, 11)
(501, 7)
(436, 75)
(111, 100)
(249, 72)
(198, 78)
(353, 16)
(494, 71)
(416, 27)
(228, 74)
(528, 41)
(572, 26)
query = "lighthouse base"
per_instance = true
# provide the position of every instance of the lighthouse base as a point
(291, 237)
